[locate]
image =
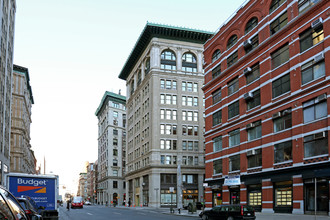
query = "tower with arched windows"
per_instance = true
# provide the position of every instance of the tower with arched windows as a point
(165, 125)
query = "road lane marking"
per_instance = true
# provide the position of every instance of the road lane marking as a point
(117, 213)
(89, 213)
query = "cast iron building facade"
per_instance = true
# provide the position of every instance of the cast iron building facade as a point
(111, 149)
(7, 18)
(164, 77)
(266, 90)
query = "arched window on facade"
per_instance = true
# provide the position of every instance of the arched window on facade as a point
(275, 4)
(216, 55)
(189, 63)
(168, 60)
(232, 41)
(252, 23)
(147, 66)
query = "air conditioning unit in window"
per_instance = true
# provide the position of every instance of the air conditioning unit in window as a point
(319, 135)
(247, 44)
(286, 111)
(318, 58)
(248, 126)
(248, 95)
(247, 70)
(321, 98)
(276, 115)
(251, 152)
(318, 23)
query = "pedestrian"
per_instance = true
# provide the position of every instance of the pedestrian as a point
(129, 203)
(68, 205)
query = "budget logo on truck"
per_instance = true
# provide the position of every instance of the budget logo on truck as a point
(41, 190)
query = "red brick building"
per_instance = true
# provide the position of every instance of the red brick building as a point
(267, 73)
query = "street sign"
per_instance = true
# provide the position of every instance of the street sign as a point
(232, 181)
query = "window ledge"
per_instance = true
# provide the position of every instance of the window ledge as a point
(249, 141)
(234, 171)
(253, 168)
(314, 80)
(320, 119)
(284, 162)
(254, 108)
(311, 47)
(318, 156)
(281, 131)
(281, 96)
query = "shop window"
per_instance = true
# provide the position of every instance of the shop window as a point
(312, 71)
(233, 109)
(233, 86)
(189, 63)
(217, 144)
(283, 152)
(234, 163)
(281, 85)
(303, 5)
(115, 184)
(310, 38)
(252, 23)
(254, 130)
(275, 4)
(232, 41)
(315, 109)
(252, 99)
(216, 71)
(217, 166)
(283, 194)
(168, 60)
(217, 118)
(254, 198)
(216, 96)
(252, 74)
(234, 138)
(232, 59)
(216, 55)
(252, 43)
(280, 56)
(278, 23)
(316, 144)
(282, 120)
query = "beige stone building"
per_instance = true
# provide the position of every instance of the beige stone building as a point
(164, 77)
(7, 19)
(22, 159)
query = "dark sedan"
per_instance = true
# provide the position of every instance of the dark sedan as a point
(30, 207)
(9, 207)
(229, 212)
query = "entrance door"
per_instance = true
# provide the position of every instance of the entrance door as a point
(322, 197)
(235, 196)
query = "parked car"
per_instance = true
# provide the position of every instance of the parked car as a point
(30, 207)
(77, 202)
(229, 212)
(9, 207)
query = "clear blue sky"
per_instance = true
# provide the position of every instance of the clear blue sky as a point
(74, 50)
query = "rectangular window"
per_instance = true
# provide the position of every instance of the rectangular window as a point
(315, 108)
(168, 129)
(115, 152)
(216, 71)
(168, 114)
(190, 130)
(253, 75)
(316, 144)
(168, 84)
(184, 100)
(196, 130)
(216, 96)
(162, 84)
(303, 5)
(254, 130)
(280, 56)
(195, 116)
(217, 166)
(234, 138)
(281, 85)
(189, 86)
(184, 86)
(233, 86)
(312, 71)
(162, 144)
(254, 44)
(233, 109)
(283, 121)
(162, 129)
(174, 113)
(184, 145)
(234, 163)
(162, 99)
(195, 87)
(168, 99)
(184, 115)
(174, 100)
(283, 152)
(195, 101)
(196, 147)
(283, 195)
(217, 117)
(190, 145)
(254, 101)
(115, 184)
(217, 144)
(254, 158)
(189, 116)
(310, 38)
(115, 132)
(278, 23)
(189, 101)
(232, 59)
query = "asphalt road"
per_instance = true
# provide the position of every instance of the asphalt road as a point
(97, 212)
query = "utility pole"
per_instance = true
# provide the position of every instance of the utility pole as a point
(179, 184)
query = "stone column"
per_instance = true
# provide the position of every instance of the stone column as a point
(199, 61)
(154, 190)
(179, 59)
(267, 196)
(155, 56)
